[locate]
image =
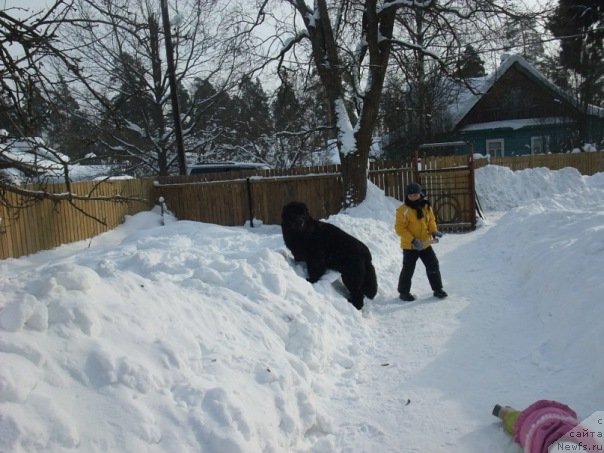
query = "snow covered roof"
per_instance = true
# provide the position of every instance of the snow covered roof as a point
(26, 157)
(32, 152)
(514, 124)
(466, 99)
(30, 156)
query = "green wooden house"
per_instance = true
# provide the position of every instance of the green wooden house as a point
(517, 111)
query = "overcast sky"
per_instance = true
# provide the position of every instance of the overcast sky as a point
(26, 8)
(36, 5)
(31, 5)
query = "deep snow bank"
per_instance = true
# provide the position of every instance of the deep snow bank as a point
(195, 337)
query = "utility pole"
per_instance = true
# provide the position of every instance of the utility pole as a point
(180, 146)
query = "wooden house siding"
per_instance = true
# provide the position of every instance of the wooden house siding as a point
(517, 142)
(517, 95)
(540, 110)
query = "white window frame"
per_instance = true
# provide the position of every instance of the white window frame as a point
(498, 141)
(543, 141)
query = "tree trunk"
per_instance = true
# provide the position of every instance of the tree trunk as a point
(354, 179)
(377, 24)
(180, 146)
(157, 115)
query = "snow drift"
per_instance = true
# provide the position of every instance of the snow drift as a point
(197, 337)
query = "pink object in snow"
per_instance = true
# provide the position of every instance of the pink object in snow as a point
(543, 423)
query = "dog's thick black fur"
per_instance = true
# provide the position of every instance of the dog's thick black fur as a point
(324, 246)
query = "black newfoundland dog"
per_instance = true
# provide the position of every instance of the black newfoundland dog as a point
(324, 246)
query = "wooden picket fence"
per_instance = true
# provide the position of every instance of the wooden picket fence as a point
(46, 224)
(219, 199)
(256, 195)
(587, 163)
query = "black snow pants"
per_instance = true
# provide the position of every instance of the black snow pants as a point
(429, 259)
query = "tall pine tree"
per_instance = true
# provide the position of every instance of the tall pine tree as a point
(470, 64)
(286, 107)
(133, 103)
(211, 131)
(69, 131)
(253, 121)
(579, 26)
(288, 124)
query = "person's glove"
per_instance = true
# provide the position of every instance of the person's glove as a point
(437, 234)
(417, 244)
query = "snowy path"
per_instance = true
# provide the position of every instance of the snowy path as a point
(488, 342)
(431, 376)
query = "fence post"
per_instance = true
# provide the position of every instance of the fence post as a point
(472, 186)
(415, 165)
(250, 201)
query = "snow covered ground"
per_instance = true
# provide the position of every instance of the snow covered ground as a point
(193, 337)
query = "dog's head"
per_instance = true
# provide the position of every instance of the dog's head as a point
(295, 216)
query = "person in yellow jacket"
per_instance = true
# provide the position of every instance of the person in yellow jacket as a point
(416, 226)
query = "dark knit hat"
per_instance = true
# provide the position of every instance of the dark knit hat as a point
(413, 188)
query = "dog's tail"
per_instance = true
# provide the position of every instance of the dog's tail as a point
(370, 285)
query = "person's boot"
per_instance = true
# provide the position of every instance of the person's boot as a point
(440, 293)
(407, 297)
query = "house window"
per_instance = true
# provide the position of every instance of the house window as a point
(539, 145)
(495, 147)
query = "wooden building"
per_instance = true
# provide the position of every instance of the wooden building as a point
(518, 111)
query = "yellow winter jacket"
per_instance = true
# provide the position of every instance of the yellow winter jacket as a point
(409, 227)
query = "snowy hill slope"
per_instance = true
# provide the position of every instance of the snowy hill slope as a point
(196, 337)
